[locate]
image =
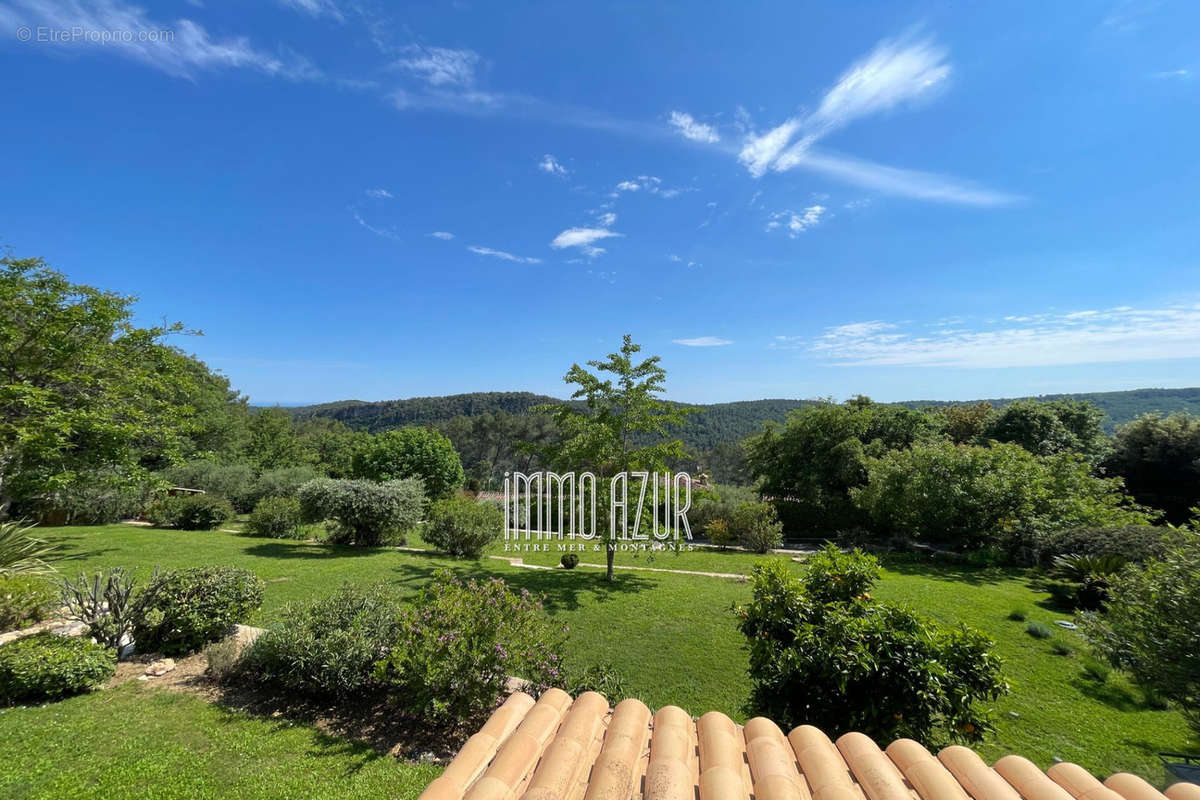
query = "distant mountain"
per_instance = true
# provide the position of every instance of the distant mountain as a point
(712, 424)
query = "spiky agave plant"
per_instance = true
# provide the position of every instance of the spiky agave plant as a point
(22, 553)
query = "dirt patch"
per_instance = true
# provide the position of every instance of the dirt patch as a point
(370, 720)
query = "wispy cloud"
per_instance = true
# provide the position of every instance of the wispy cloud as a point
(386, 233)
(690, 128)
(316, 8)
(551, 164)
(797, 223)
(182, 48)
(445, 236)
(607, 219)
(487, 251)
(439, 66)
(1172, 73)
(703, 341)
(380, 194)
(584, 239)
(1028, 340)
(897, 72)
(650, 184)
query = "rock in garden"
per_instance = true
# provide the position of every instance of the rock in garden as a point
(159, 668)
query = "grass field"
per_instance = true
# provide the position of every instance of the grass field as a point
(671, 637)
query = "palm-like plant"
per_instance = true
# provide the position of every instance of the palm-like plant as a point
(23, 554)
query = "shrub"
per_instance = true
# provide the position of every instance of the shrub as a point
(1017, 615)
(970, 497)
(603, 678)
(719, 533)
(757, 526)
(815, 657)
(363, 512)
(1085, 579)
(1159, 458)
(458, 642)
(100, 497)
(569, 560)
(282, 482)
(193, 512)
(462, 527)
(235, 482)
(183, 610)
(717, 501)
(105, 603)
(1062, 649)
(21, 553)
(1134, 543)
(1096, 670)
(223, 659)
(46, 666)
(1151, 623)
(24, 600)
(276, 517)
(327, 648)
(412, 453)
(1038, 631)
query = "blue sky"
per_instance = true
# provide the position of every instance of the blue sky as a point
(356, 199)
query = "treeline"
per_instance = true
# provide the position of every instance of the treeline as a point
(972, 477)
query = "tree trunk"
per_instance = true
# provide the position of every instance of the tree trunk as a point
(609, 552)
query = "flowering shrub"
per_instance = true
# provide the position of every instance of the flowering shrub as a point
(458, 642)
(824, 653)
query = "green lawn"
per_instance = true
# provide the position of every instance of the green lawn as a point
(670, 636)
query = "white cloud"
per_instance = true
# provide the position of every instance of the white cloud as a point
(1022, 340)
(581, 237)
(181, 48)
(551, 164)
(797, 223)
(628, 186)
(904, 182)
(1172, 73)
(439, 66)
(703, 341)
(445, 236)
(692, 129)
(381, 194)
(759, 151)
(607, 220)
(487, 251)
(386, 233)
(316, 8)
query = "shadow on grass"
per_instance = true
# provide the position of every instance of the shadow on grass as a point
(951, 573)
(284, 548)
(1116, 697)
(563, 589)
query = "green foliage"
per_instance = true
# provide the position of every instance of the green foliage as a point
(82, 389)
(1159, 458)
(569, 560)
(1133, 543)
(603, 678)
(624, 427)
(24, 600)
(1038, 630)
(490, 444)
(283, 481)
(970, 497)
(1045, 428)
(273, 441)
(412, 453)
(462, 527)
(756, 526)
(963, 423)
(717, 501)
(327, 648)
(104, 602)
(719, 533)
(810, 466)
(1018, 615)
(1060, 648)
(852, 663)
(180, 611)
(363, 512)
(1151, 625)
(191, 512)
(458, 642)
(1096, 670)
(1086, 577)
(276, 517)
(46, 666)
(101, 496)
(235, 482)
(22, 553)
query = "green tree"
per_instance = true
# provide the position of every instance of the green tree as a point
(272, 440)
(1046, 428)
(963, 423)
(625, 427)
(412, 453)
(81, 388)
(1159, 458)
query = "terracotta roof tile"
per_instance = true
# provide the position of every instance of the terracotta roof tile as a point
(559, 749)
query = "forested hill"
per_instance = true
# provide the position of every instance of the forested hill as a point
(710, 425)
